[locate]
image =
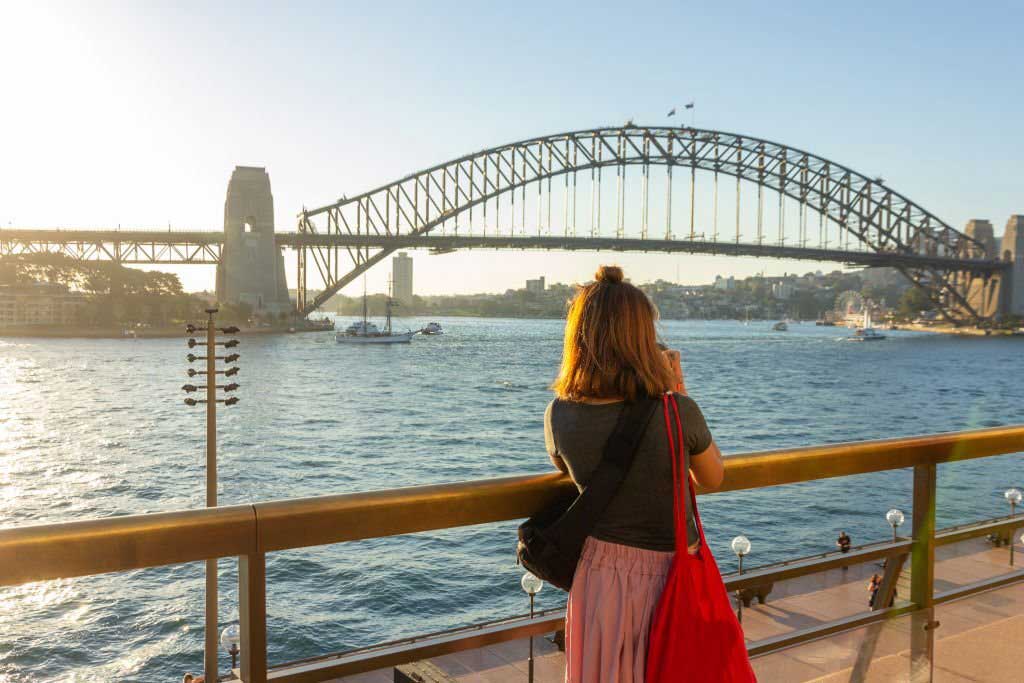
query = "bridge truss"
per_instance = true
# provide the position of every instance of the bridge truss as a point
(506, 186)
(128, 246)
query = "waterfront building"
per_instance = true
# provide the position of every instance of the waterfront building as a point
(39, 303)
(783, 290)
(536, 286)
(401, 273)
(725, 283)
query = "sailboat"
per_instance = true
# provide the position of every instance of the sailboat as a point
(365, 332)
(867, 332)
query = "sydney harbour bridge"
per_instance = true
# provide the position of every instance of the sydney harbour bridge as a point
(632, 188)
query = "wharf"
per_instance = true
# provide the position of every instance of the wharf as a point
(979, 639)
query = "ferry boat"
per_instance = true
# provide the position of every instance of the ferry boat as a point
(432, 328)
(365, 332)
(780, 326)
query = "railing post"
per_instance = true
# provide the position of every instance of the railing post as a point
(922, 576)
(252, 613)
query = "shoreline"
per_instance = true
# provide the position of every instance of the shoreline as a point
(46, 332)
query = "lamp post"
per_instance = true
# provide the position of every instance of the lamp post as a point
(741, 547)
(211, 401)
(531, 585)
(895, 518)
(1013, 497)
(229, 640)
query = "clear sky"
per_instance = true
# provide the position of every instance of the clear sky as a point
(135, 114)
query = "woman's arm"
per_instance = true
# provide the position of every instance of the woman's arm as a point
(558, 463)
(707, 467)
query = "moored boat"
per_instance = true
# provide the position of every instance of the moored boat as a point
(365, 332)
(867, 332)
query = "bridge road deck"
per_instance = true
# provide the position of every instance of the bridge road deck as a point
(979, 639)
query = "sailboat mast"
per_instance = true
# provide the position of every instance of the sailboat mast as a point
(364, 303)
(387, 308)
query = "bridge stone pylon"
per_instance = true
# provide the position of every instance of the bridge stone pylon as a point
(251, 268)
(1012, 251)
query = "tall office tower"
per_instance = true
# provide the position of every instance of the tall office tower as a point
(401, 273)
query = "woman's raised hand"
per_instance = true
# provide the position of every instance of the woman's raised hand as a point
(672, 356)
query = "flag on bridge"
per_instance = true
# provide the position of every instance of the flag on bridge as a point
(672, 113)
(688, 106)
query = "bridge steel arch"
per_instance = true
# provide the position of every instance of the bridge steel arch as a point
(879, 218)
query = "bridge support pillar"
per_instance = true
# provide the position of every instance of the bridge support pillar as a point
(1012, 250)
(984, 293)
(251, 268)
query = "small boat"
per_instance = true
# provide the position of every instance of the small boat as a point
(432, 328)
(365, 332)
(867, 332)
(780, 326)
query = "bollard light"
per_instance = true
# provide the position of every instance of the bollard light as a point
(531, 585)
(895, 518)
(740, 547)
(229, 640)
(1013, 496)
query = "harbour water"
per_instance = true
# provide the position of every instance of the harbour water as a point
(94, 428)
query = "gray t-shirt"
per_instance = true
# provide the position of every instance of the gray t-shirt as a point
(640, 515)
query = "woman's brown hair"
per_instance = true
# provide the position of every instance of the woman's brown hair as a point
(611, 349)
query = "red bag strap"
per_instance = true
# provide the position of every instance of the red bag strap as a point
(689, 483)
(677, 456)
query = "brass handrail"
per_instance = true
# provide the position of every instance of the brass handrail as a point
(98, 546)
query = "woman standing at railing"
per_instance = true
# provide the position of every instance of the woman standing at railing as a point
(611, 356)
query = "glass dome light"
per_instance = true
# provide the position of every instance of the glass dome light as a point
(531, 584)
(894, 517)
(740, 545)
(1013, 496)
(230, 636)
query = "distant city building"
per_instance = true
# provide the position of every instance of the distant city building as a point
(39, 304)
(401, 273)
(783, 290)
(726, 284)
(535, 285)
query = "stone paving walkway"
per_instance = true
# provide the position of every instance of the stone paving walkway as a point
(981, 638)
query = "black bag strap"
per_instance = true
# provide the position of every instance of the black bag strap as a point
(616, 460)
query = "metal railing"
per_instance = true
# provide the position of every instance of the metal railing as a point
(249, 532)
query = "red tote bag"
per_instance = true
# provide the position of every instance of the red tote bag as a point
(694, 637)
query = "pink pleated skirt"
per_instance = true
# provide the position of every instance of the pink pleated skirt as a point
(611, 605)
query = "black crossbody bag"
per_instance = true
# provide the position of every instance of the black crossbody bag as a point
(550, 542)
